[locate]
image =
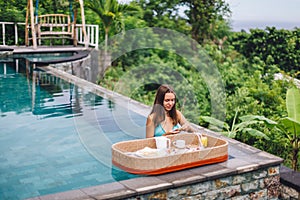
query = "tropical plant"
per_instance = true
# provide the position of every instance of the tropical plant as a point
(243, 127)
(288, 126)
(111, 13)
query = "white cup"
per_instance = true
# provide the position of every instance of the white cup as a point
(162, 142)
(179, 144)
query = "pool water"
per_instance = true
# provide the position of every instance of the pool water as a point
(44, 56)
(55, 136)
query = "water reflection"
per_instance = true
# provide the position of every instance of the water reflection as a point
(29, 89)
(55, 136)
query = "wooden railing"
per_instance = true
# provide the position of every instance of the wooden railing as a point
(17, 37)
(55, 26)
(3, 33)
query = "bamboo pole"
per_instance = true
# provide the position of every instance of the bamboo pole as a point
(75, 42)
(83, 23)
(26, 24)
(16, 33)
(33, 32)
(3, 33)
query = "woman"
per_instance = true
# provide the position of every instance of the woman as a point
(164, 118)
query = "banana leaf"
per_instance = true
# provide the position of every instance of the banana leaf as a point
(215, 122)
(293, 104)
(256, 133)
(290, 125)
(259, 118)
(244, 124)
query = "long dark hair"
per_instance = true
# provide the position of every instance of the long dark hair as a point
(158, 109)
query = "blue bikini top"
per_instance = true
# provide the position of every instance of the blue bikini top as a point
(159, 131)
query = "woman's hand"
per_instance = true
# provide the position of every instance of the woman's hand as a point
(172, 132)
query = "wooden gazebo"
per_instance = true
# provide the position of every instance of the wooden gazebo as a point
(51, 26)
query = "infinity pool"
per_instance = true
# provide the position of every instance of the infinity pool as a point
(44, 56)
(55, 136)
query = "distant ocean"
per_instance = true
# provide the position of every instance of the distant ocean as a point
(247, 25)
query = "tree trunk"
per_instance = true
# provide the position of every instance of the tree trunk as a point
(295, 155)
(106, 57)
(105, 61)
(106, 40)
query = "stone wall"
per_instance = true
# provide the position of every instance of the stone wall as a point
(260, 184)
(289, 193)
(90, 68)
(290, 183)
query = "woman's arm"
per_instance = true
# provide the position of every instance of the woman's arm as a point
(149, 127)
(185, 125)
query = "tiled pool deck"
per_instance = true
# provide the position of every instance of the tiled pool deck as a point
(243, 158)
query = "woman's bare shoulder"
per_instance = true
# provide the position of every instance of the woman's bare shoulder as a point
(150, 118)
(178, 113)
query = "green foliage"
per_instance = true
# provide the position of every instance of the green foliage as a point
(272, 46)
(236, 128)
(139, 79)
(289, 126)
(293, 104)
(164, 15)
(203, 20)
(13, 11)
(203, 15)
(53, 7)
(111, 14)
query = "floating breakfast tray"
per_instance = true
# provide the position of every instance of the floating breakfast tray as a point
(127, 155)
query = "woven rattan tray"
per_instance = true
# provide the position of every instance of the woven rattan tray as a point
(123, 155)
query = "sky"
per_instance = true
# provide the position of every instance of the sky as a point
(261, 13)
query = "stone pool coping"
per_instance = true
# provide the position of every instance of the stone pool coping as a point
(243, 158)
(79, 53)
(290, 178)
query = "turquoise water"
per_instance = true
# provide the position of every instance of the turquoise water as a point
(55, 136)
(44, 56)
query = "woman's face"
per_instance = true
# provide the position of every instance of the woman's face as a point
(169, 101)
